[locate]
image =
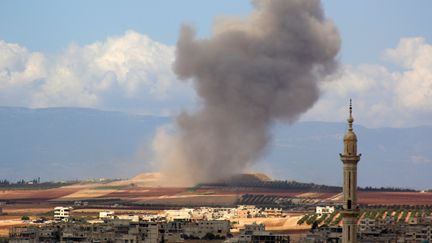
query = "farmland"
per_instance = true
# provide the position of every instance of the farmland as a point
(396, 214)
(141, 193)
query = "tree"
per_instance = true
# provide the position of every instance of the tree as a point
(25, 217)
(314, 226)
(209, 236)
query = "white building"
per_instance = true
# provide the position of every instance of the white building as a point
(224, 213)
(106, 214)
(273, 212)
(182, 214)
(324, 210)
(129, 217)
(257, 233)
(62, 213)
(248, 211)
(202, 213)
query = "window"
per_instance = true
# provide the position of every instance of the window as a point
(349, 233)
(349, 184)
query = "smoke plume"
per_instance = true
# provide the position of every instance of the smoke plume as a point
(250, 73)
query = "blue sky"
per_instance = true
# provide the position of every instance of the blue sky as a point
(367, 27)
(51, 25)
(49, 33)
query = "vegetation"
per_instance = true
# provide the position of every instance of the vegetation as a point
(19, 182)
(303, 219)
(277, 184)
(327, 219)
(403, 216)
(259, 199)
(381, 213)
(194, 188)
(295, 186)
(36, 184)
(330, 218)
(322, 218)
(337, 220)
(48, 214)
(109, 187)
(362, 212)
(399, 215)
(312, 219)
(386, 189)
(39, 186)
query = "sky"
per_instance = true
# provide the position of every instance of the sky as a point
(116, 55)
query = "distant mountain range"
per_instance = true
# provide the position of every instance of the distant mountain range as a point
(77, 143)
(74, 143)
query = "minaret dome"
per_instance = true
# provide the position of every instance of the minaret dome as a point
(350, 138)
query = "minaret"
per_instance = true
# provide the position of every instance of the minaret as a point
(350, 158)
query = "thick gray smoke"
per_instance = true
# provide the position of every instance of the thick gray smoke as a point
(250, 73)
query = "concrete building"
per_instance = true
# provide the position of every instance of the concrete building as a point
(182, 214)
(328, 234)
(200, 229)
(224, 213)
(350, 158)
(131, 217)
(267, 237)
(248, 230)
(247, 211)
(106, 214)
(123, 231)
(272, 212)
(62, 213)
(256, 233)
(324, 210)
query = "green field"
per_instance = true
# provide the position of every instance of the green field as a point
(399, 215)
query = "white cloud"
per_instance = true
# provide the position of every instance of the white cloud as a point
(18, 66)
(414, 88)
(133, 73)
(129, 72)
(382, 96)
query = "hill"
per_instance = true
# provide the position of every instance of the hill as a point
(73, 143)
(399, 157)
(76, 143)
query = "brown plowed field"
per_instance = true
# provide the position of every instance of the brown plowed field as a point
(43, 194)
(173, 195)
(242, 192)
(145, 192)
(395, 198)
(192, 200)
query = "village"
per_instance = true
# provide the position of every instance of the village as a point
(203, 223)
(244, 223)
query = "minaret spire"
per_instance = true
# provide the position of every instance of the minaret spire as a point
(350, 118)
(350, 158)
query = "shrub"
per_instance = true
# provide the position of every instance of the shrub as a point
(25, 217)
